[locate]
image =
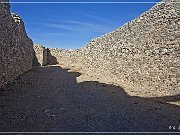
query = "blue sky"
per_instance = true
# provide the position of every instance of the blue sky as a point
(72, 26)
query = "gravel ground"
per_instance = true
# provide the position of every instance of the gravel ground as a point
(53, 98)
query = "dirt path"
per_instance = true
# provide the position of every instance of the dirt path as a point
(51, 99)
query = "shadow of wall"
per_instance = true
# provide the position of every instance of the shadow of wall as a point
(69, 106)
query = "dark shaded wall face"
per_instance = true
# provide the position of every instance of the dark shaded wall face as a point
(35, 60)
(40, 55)
(51, 60)
(16, 48)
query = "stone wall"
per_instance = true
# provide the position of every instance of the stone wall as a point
(51, 60)
(16, 51)
(40, 57)
(145, 52)
(67, 57)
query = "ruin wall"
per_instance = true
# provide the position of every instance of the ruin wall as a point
(40, 55)
(16, 50)
(144, 52)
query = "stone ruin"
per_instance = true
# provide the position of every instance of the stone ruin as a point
(16, 48)
(145, 52)
(40, 55)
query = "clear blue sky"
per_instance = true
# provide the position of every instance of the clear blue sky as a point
(71, 26)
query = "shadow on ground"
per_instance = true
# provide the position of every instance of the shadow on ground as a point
(50, 99)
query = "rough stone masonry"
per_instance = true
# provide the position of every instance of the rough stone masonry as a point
(145, 52)
(16, 48)
(40, 55)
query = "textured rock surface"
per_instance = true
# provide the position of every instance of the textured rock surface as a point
(40, 57)
(145, 52)
(16, 51)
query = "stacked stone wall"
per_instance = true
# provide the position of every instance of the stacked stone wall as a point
(40, 57)
(144, 52)
(16, 50)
